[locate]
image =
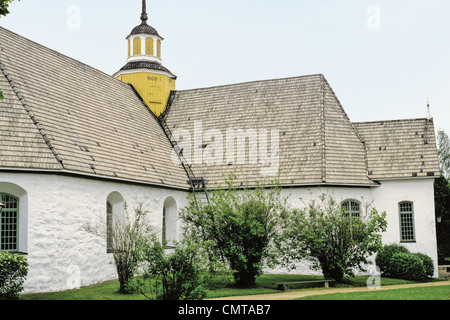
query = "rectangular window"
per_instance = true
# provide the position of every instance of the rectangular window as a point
(407, 232)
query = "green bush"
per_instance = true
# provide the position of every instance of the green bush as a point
(407, 266)
(178, 275)
(397, 261)
(383, 258)
(13, 271)
(427, 262)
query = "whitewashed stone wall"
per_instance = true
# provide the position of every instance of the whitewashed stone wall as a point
(54, 211)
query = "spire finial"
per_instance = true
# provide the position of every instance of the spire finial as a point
(144, 16)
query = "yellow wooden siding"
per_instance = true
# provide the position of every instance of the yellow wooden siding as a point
(154, 89)
(137, 46)
(149, 47)
(158, 49)
(129, 48)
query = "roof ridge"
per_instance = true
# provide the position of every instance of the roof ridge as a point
(395, 120)
(30, 113)
(251, 81)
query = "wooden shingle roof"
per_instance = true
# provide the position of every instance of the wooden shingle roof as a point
(62, 115)
(400, 148)
(72, 117)
(317, 142)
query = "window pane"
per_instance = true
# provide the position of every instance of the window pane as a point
(9, 223)
(351, 208)
(407, 222)
(109, 226)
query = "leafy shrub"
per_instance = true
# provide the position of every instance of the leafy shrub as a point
(407, 266)
(397, 261)
(427, 262)
(13, 271)
(178, 275)
(383, 258)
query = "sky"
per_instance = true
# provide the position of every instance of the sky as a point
(384, 59)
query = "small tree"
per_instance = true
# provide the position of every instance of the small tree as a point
(125, 236)
(241, 225)
(334, 243)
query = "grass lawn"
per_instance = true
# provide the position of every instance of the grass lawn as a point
(108, 290)
(425, 293)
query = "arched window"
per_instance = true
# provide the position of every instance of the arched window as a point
(351, 208)
(114, 209)
(407, 229)
(149, 47)
(136, 46)
(169, 221)
(9, 237)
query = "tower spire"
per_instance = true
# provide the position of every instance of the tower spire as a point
(144, 16)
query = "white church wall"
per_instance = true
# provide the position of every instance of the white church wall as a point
(54, 210)
(61, 253)
(421, 193)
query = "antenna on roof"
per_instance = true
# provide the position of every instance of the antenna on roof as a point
(428, 109)
(144, 16)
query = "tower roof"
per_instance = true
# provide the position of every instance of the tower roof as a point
(144, 28)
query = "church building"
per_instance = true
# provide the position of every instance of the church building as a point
(77, 143)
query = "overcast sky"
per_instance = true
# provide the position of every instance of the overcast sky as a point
(382, 58)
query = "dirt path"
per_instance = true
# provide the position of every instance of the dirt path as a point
(289, 295)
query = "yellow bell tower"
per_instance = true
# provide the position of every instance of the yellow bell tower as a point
(144, 69)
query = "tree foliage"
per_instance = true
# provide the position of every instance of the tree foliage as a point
(444, 153)
(442, 197)
(333, 242)
(4, 7)
(241, 225)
